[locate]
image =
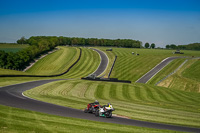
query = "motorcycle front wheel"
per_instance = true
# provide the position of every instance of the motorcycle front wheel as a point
(109, 115)
(97, 113)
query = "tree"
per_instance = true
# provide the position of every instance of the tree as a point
(173, 46)
(146, 45)
(153, 45)
(22, 40)
(167, 47)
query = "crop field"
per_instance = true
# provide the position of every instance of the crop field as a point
(12, 47)
(19, 120)
(138, 101)
(186, 78)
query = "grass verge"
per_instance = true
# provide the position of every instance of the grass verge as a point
(19, 120)
(186, 78)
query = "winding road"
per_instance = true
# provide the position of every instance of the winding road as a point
(12, 95)
(103, 64)
(145, 78)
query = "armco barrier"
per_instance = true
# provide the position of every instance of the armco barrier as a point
(46, 75)
(107, 80)
(112, 66)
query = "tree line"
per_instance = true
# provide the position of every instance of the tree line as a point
(192, 46)
(147, 45)
(42, 44)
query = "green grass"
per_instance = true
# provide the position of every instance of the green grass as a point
(4, 81)
(193, 72)
(137, 101)
(186, 78)
(132, 67)
(19, 120)
(142, 102)
(11, 72)
(87, 64)
(12, 47)
(56, 62)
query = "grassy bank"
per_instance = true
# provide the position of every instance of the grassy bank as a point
(87, 64)
(171, 67)
(186, 78)
(56, 62)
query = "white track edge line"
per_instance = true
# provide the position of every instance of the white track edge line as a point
(151, 69)
(101, 61)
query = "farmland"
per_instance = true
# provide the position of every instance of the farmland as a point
(12, 47)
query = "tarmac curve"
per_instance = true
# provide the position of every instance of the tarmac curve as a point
(12, 95)
(145, 78)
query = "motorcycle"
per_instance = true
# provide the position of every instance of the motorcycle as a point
(91, 108)
(105, 111)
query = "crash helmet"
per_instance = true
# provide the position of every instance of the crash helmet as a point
(96, 102)
(108, 104)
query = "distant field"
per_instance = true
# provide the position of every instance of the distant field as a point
(12, 47)
(139, 101)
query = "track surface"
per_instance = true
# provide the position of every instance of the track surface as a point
(104, 62)
(12, 96)
(155, 70)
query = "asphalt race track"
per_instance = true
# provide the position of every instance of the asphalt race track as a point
(12, 95)
(103, 64)
(155, 70)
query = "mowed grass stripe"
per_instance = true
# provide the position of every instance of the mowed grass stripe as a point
(30, 121)
(87, 64)
(193, 71)
(136, 101)
(178, 81)
(56, 62)
(132, 67)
